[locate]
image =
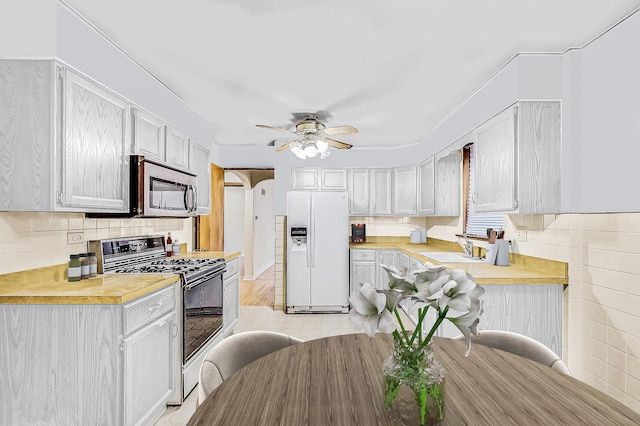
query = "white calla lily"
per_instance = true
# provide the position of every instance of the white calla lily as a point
(369, 311)
(449, 292)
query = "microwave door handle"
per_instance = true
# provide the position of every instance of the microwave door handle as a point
(190, 205)
(195, 199)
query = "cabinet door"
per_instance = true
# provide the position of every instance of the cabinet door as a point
(448, 184)
(426, 192)
(539, 155)
(404, 194)
(495, 163)
(304, 179)
(362, 268)
(359, 192)
(388, 258)
(333, 179)
(148, 135)
(147, 370)
(96, 145)
(200, 164)
(231, 303)
(380, 192)
(362, 272)
(177, 148)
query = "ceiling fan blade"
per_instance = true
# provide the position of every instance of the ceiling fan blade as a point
(340, 130)
(337, 144)
(264, 126)
(283, 147)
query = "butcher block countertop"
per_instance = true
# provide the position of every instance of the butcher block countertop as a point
(49, 285)
(522, 269)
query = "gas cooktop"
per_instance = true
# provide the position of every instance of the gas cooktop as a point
(171, 265)
(139, 255)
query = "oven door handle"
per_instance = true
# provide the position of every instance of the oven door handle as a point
(203, 279)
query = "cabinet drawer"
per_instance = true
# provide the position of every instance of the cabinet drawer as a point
(148, 308)
(232, 267)
(363, 255)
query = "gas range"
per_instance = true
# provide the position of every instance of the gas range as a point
(138, 255)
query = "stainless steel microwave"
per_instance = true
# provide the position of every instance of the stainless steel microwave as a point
(160, 190)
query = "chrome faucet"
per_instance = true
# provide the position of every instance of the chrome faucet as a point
(467, 246)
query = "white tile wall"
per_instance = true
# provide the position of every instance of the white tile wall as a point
(601, 318)
(389, 226)
(34, 240)
(279, 262)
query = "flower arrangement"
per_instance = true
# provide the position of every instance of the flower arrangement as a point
(454, 296)
(447, 291)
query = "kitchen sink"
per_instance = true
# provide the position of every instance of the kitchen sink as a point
(450, 256)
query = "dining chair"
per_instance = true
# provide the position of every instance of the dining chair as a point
(522, 345)
(234, 352)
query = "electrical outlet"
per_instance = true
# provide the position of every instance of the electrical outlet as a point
(521, 233)
(75, 237)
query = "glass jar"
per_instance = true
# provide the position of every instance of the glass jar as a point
(74, 272)
(416, 367)
(93, 265)
(84, 266)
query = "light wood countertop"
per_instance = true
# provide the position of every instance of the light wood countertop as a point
(49, 285)
(522, 270)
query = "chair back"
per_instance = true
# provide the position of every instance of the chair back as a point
(234, 352)
(522, 345)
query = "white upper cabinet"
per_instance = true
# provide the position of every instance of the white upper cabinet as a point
(96, 144)
(426, 187)
(359, 192)
(404, 191)
(495, 163)
(448, 184)
(148, 135)
(200, 164)
(312, 179)
(517, 161)
(66, 139)
(333, 179)
(304, 179)
(380, 192)
(177, 148)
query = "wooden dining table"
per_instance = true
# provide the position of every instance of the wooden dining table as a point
(338, 381)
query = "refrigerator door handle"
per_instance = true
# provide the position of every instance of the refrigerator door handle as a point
(312, 233)
(309, 233)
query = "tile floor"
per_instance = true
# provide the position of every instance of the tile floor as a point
(302, 326)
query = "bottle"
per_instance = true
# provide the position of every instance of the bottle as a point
(176, 248)
(169, 245)
(74, 272)
(93, 265)
(84, 266)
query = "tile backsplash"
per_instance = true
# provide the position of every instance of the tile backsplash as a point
(33, 240)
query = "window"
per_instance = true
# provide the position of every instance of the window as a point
(475, 224)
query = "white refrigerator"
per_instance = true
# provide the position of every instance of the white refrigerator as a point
(317, 252)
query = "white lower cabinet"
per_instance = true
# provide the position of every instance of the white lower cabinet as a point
(362, 268)
(87, 364)
(231, 297)
(388, 258)
(147, 366)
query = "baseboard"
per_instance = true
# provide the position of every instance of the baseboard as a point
(260, 272)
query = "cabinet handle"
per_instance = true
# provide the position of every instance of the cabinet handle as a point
(154, 307)
(175, 330)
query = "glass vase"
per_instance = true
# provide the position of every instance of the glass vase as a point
(416, 367)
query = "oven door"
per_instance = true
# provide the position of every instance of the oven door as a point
(165, 191)
(202, 313)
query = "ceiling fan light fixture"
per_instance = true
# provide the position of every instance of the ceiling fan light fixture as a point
(310, 149)
(322, 146)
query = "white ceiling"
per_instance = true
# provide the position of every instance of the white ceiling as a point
(392, 69)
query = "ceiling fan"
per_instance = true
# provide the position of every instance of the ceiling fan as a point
(313, 137)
